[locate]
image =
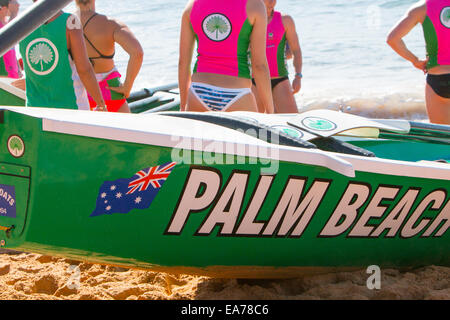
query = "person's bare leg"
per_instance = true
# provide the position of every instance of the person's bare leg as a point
(124, 108)
(193, 104)
(245, 103)
(283, 98)
(438, 108)
(258, 103)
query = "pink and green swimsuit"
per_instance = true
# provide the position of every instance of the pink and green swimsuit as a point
(436, 27)
(223, 32)
(276, 47)
(9, 66)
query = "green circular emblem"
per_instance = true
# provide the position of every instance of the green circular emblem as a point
(289, 131)
(445, 17)
(42, 56)
(217, 27)
(16, 146)
(319, 124)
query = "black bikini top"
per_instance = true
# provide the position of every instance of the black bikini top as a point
(101, 55)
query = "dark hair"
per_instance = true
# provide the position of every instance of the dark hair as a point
(4, 3)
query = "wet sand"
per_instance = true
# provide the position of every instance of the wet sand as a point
(25, 276)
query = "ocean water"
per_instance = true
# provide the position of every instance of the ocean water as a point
(346, 62)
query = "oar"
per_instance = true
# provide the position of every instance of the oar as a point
(165, 107)
(327, 123)
(145, 93)
(431, 139)
(427, 132)
(28, 21)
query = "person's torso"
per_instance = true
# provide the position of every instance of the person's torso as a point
(223, 32)
(9, 66)
(99, 38)
(276, 46)
(51, 76)
(436, 28)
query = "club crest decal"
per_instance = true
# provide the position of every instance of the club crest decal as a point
(217, 27)
(42, 56)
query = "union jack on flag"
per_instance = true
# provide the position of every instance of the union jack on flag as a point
(153, 176)
(137, 192)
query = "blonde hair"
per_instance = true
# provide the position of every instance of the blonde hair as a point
(83, 2)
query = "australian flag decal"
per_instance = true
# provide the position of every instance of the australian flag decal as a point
(137, 192)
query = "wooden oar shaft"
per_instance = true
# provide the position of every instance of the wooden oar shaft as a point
(28, 21)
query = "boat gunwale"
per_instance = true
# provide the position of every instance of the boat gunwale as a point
(342, 163)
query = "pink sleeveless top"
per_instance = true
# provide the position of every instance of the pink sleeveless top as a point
(223, 36)
(438, 36)
(276, 46)
(8, 63)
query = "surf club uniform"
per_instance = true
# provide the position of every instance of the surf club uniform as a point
(276, 50)
(9, 66)
(223, 32)
(51, 77)
(436, 27)
(113, 100)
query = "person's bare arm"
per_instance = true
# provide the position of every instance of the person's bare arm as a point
(294, 45)
(257, 14)
(187, 42)
(126, 39)
(76, 46)
(413, 17)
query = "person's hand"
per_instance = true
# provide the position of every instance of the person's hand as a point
(122, 89)
(421, 64)
(101, 107)
(296, 84)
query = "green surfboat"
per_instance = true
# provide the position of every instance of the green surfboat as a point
(224, 195)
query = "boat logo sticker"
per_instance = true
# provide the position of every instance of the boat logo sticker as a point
(137, 192)
(7, 201)
(217, 27)
(319, 124)
(42, 56)
(16, 146)
(289, 131)
(445, 17)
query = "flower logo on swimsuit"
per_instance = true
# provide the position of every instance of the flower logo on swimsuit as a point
(445, 17)
(42, 56)
(217, 27)
(319, 124)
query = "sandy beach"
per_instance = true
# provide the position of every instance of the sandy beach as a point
(25, 276)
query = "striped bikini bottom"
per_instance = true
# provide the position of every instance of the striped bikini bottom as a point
(216, 98)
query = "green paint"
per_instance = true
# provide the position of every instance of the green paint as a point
(281, 58)
(243, 50)
(431, 41)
